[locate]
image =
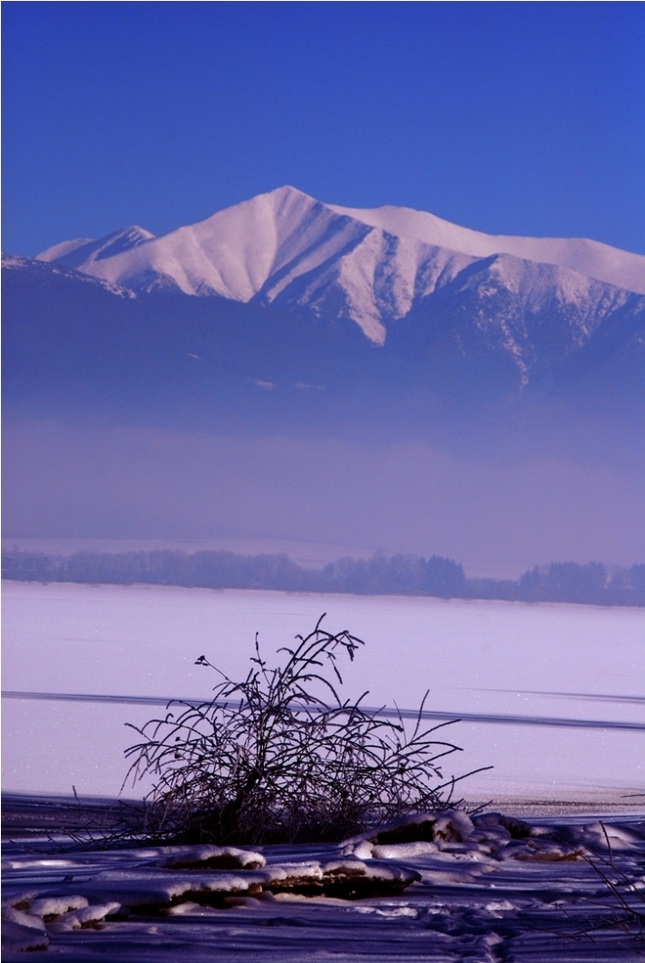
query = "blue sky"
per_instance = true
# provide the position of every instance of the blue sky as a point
(524, 118)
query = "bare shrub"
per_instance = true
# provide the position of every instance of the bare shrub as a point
(627, 899)
(281, 757)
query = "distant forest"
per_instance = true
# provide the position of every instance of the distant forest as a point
(379, 575)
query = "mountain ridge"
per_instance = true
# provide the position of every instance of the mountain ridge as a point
(373, 388)
(484, 334)
(376, 265)
(285, 293)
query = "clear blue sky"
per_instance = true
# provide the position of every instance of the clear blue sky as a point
(524, 118)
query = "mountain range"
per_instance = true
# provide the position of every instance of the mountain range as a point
(293, 369)
(372, 266)
(303, 278)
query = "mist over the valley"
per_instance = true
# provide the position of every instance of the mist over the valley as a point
(330, 382)
(495, 517)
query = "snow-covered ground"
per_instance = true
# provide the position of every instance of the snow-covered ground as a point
(484, 890)
(490, 659)
(444, 888)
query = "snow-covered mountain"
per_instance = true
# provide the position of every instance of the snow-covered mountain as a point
(395, 308)
(292, 369)
(373, 267)
(85, 250)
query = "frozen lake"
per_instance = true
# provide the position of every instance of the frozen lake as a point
(491, 658)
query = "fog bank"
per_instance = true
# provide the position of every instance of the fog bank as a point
(145, 483)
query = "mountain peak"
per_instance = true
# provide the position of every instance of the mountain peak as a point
(83, 251)
(288, 190)
(370, 266)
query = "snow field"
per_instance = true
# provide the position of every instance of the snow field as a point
(547, 660)
(459, 889)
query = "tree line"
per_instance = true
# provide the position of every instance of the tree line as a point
(379, 575)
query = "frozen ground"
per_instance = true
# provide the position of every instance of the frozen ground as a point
(493, 890)
(490, 890)
(502, 661)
